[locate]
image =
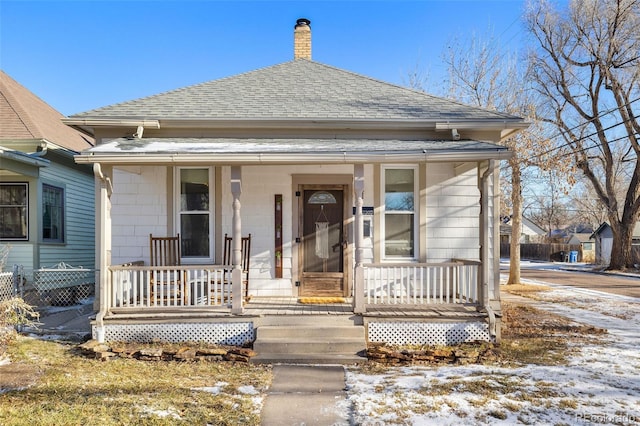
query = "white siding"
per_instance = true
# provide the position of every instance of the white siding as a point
(138, 208)
(78, 248)
(452, 213)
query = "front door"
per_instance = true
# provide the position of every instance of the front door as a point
(323, 241)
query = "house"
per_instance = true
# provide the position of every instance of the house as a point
(603, 237)
(530, 233)
(46, 198)
(349, 186)
(587, 246)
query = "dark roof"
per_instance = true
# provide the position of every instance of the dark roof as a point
(299, 89)
(25, 116)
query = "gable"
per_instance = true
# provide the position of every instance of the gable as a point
(24, 116)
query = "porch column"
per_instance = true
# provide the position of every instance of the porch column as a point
(358, 285)
(104, 189)
(236, 273)
(485, 230)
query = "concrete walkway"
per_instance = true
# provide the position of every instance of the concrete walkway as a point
(306, 395)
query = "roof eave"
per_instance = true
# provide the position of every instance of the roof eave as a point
(292, 158)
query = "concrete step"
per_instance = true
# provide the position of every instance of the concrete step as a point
(336, 345)
(308, 320)
(321, 358)
(302, 332)
(308, 344)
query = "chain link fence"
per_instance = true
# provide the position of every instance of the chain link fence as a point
(7, 289)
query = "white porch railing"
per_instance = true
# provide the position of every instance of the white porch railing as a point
(135, 286)
(422, 283)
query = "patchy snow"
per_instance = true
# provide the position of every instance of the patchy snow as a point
(216, 389)
(248, 390)
(600, 384)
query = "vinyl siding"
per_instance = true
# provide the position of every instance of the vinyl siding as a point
(78, 248)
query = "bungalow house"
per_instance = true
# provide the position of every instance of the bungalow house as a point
(46, 198)
(530, 232)
(350, 187)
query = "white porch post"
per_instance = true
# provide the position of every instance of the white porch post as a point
(104, 189)
(236, 273)
(485, 230)
(358, 285)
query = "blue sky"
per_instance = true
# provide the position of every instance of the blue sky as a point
(80, 55)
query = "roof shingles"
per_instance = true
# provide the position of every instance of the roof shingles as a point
(298, 89)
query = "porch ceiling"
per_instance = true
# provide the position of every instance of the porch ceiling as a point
(290, 150)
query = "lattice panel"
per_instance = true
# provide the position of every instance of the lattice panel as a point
(417, 333)
(236, 333)
(63, 285)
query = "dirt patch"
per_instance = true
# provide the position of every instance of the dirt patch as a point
(15, 376)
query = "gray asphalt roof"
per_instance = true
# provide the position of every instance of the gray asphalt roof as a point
(299, 89)
(269, 145)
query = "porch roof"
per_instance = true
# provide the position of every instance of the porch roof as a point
(279, 151)
(288, 150)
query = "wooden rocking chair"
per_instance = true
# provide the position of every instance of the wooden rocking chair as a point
(227, 260)
(165, 251)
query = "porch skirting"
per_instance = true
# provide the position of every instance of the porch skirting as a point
(220, 333)
(428, 333)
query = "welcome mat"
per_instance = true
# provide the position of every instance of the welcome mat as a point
(320, 300)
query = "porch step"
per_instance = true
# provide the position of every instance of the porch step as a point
(309, 344)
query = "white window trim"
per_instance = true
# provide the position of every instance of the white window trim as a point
(178, 211)
(416, 211)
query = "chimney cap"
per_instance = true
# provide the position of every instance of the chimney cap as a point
(302, 22)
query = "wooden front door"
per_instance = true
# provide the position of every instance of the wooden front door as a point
(323, 241)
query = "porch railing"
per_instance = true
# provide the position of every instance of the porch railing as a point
(422, 283)
(134, 286)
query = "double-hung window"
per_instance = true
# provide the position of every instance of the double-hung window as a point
(399, 185)
(14, 211)
(195, 213)
(52, 214)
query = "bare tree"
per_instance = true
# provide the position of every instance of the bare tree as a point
(586, 70)
(482, 74)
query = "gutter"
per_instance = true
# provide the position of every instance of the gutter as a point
(491, 316)
(291, 158)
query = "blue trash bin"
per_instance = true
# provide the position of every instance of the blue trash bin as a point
(573, 256)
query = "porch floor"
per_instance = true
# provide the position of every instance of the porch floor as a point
(263, 306)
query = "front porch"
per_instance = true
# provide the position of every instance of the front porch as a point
(421, 303)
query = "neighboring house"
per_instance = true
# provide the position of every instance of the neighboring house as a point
(530, 232)
(46, 199)
(603, 237)
(349, 187)
(587, 246)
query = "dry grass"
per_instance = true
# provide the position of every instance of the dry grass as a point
(526, 290)
(72, 389)
(533, 336)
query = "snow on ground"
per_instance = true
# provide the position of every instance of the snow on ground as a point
(600, 385)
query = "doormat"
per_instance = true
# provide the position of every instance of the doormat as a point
(320, 300)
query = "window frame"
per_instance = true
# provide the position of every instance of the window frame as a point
(385, 212)
(26, 207)
(179, 212)
(62, 238)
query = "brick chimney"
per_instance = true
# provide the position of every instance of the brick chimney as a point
(302, 39)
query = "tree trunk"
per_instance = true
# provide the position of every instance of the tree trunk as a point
(516, 223)
(621, 253)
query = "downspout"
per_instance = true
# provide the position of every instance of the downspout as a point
(103, 194)
(484, 247)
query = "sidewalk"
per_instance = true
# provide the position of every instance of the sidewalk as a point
(309, 395)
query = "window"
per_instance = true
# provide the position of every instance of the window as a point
(52, 213)
(194, 213)
(14, 211)
(399, 212)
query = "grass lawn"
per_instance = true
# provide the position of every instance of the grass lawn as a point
(70, 389)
